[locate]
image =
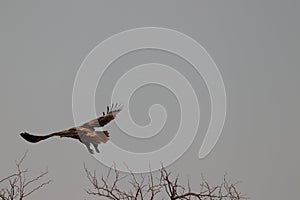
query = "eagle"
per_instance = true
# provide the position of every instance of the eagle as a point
(85, 133)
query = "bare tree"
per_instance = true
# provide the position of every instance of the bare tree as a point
(146, 186)
(18, 186)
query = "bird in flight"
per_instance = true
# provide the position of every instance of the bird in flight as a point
(85, 133)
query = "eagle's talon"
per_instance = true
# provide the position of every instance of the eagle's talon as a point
(96, 148)
(91, 151)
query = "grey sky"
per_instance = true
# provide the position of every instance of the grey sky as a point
(255, 44)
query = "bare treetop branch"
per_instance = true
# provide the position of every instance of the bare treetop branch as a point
(146, 186)
(17, 186)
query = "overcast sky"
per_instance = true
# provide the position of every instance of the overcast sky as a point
(255, 44)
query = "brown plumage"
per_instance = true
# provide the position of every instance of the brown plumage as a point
(85, 133)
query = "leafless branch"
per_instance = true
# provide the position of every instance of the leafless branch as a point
(17, 187)
(146, 186)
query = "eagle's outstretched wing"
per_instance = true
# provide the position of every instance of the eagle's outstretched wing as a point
(110, 115)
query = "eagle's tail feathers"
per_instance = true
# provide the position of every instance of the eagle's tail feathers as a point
(35, 138)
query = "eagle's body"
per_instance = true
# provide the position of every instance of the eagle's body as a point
(85, 133)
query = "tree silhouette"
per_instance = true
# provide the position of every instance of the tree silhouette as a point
(146, 186)
(18, 186)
